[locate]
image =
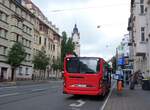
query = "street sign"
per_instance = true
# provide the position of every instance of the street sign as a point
(121, 61)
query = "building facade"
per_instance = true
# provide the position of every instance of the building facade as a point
(22, 21)
(76, 39)
(46, 35)
(138, 28)
(16, 25)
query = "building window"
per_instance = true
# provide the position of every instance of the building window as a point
(1, 48)
(30, 30)
(141, 1)
(3, 1)
(29, 57)
(5, 33)
(23, 41)
(53, 47)
(45, 41)
(142, 34)
(17, 37)
(24, 28)
(23, 14)
(4, 50)
(1, 15)
(26, 43)
(29, 43)
(141, 6)
(39, 40)
(49, 45)
(141, 9)
(27, 71)
(0, 32)
(20, 70)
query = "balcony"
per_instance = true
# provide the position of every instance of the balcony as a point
(141, 49)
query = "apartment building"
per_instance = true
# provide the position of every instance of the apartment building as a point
(138, 28)
(16, 25)
(45, 33)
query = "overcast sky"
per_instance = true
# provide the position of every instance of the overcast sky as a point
(111, 15)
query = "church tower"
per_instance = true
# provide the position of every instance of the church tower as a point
(76, 40)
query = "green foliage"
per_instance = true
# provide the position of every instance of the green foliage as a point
(57, 64)
(67, 46)
(70, 46)
(40, 60)
(63, 45)
(16, 55)
(113, 60)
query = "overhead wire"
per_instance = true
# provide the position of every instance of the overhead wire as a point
(84, 8)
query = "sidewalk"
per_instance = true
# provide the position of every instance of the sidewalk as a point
(136, 99)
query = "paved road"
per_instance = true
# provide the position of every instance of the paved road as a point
(46, 96)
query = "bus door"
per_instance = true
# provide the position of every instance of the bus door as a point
(106, 76)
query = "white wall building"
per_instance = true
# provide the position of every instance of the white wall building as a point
(16, 25)
(139, 35)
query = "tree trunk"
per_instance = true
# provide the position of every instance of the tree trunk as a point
(39, 74)
(44, 74)
(13, 74)
(48, 74)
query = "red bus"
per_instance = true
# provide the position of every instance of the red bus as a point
(86, 76)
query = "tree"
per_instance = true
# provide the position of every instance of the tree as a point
(113, 60)
(70, 46)
(16, 55)
(41, 61)
(63, 46)
(67, 46)
(56, 66)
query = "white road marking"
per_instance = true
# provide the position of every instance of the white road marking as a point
(104, 104)
(5, 95)
(75, 108)
(35, 90)
(12, 87)
(79, 104)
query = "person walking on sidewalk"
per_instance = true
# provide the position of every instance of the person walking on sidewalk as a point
(120, 82)
(134, 79)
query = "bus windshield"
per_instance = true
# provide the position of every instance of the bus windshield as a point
(82, 65)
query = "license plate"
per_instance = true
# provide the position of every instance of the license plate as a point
(81, 85)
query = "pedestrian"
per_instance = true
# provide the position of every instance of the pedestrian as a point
(134, 79)
(119, 73)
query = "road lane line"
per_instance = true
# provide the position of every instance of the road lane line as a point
(79, 104)
(104, 104)
(74, 108)
(36, 90)
(13, 87)
(5, 95)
